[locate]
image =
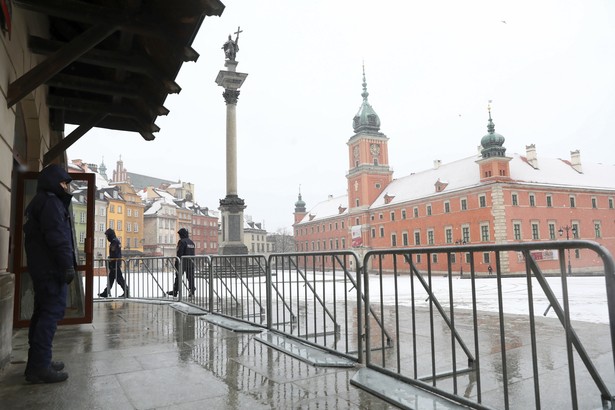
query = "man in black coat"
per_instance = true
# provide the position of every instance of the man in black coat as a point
(51, 263)
(115, 262)
(185, 247)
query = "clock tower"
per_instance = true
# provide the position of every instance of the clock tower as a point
(369, 171)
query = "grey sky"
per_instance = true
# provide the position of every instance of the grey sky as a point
(431, 68)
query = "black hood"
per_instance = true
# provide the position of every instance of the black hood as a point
(110, 234)
(49, 180)
(50, 177)
(183, 233)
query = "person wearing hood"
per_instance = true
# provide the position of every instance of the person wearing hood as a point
(185, 247)
(115, 261)
(50, 253)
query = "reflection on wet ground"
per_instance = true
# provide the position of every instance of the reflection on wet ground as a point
(139, 355)
(145, 356)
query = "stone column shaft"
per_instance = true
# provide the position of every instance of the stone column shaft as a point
(231, 149)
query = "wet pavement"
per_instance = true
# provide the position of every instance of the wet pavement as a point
(148, 355)
(137, 355)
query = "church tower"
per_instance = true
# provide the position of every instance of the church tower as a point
(494, 164)
(299, 209)
(368, 155)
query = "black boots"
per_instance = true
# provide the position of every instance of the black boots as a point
(48, 375)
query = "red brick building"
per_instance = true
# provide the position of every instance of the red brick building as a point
(487, 198)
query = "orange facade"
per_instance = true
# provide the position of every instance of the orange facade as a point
(489, 198)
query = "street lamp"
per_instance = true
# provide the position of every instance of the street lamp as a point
(574, 233)
(460, 242)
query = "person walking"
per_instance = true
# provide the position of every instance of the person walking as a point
(185, 247)
(490, 269)
(115, 261)
(50, 253)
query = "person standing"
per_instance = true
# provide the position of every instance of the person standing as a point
(185, 247)
(115, 261)
(50, 253)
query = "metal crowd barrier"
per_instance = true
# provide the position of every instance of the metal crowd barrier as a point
(313, 297)
(413, 324)
(450, 347)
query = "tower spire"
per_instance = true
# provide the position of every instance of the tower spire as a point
(364, 94)
(366, 119)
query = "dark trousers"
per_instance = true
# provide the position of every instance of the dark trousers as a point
(115, 272)
(49, 307)
(189, 269)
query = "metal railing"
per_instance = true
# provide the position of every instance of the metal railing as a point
(450, 346)
(461, 336)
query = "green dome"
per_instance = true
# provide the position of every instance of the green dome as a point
(366, 119)
(492, 142)
(300, 204)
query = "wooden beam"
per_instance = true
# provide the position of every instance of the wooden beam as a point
(93, 85)
(111, 59)
(70, 139)
(55, 63)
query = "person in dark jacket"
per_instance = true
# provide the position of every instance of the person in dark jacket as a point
(115, 262)
(185, 247)
(50, 254)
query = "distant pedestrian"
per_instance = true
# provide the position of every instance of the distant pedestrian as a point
(185, 247)
(50, 253)
(490, 269)
(115, 262)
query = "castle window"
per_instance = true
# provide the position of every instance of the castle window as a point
(551, 230)
(535, 231)
(430, 237)
(404, 238)
(594, 202)
(393, 239)
(482, 200)
(373, 232)
(573, 201)
(403, 214)
(447, 207)
(392, 215)
(375, 161)
(464, 204)
(549, 201)
(382, 231)
(515, 199)
(417, 237)
(484, 232)
(611, 204)
(597, 229)
(448, 234)
(517, 230)
(416, 212)
(428, 210)
(532, 200)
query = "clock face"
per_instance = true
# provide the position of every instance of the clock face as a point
(374, 149)
(356, 151)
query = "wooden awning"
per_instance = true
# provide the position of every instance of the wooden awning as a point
(110, 64)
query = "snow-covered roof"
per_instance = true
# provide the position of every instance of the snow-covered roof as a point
(463, 174)
(327, 209)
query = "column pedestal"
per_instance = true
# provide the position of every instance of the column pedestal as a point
(231, 209)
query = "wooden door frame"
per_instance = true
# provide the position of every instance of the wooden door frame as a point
(87, 270)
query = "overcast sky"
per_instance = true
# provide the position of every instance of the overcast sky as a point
(431, 68)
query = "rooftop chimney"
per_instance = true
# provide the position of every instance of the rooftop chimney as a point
(575, 161)
(532, 159)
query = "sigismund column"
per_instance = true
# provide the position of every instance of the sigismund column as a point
(232, 206)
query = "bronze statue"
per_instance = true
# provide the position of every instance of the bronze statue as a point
(231, 47)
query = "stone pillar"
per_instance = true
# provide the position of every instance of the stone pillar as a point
(232, 206)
